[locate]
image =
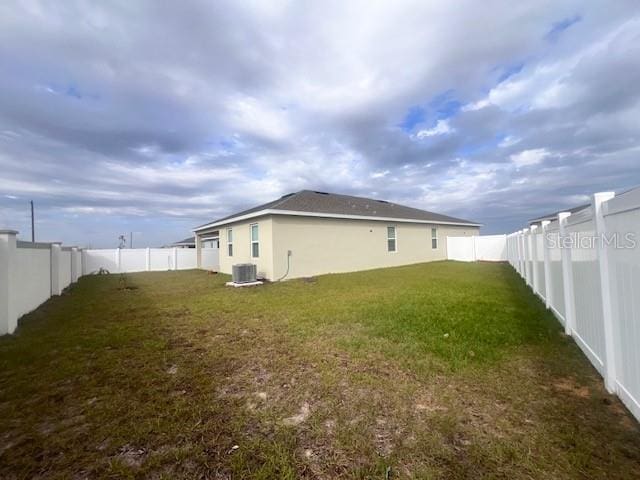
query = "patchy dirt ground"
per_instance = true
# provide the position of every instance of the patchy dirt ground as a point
(431, 371)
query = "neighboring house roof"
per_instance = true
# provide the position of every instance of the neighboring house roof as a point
(322, 204)
(186, 241)
(554, 215)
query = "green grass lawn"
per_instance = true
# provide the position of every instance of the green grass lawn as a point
(441, 370)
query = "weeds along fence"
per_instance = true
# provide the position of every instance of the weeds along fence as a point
(585, 266)
(30, 273)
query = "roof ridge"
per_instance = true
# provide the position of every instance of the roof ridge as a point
(286, 197)
(315, 202)
(384, 201)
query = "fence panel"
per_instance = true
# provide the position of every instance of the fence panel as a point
(491, 248)
(65, 268)
(556, 301)
(30, 273)
(187, 258)
(31, 279)
(538, 263)
(528, 258)
(461, 249)
(622, 217)
(586, 283)
(209, 259)
(133, 260)
(94, 260)
(161, 259)
(593, 276)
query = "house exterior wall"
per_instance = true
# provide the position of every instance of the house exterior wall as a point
(242, 246)
(330, 245)
(327, 245)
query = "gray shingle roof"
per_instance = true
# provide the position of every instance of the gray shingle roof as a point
(186, 241)
(336, 204)
(554, 215)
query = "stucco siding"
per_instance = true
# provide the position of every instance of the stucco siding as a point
(325, 245)
(242, 246)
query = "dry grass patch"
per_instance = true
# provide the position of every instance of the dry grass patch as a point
(430, 371)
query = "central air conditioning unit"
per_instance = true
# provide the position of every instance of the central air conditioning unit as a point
(244, 273)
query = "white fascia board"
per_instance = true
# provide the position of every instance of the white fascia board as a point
(270, 211)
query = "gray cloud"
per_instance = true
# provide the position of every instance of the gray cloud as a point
(157, 116)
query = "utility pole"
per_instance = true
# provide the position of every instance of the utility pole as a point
(130, 239)
(33, 231)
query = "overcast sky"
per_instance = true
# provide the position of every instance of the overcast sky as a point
(154, 117)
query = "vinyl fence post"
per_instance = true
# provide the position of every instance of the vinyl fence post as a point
(523, 274)
(525, 249)
(80, 258)
(80, 262)
(547, 265)
(512, 250)
(567, 276)
(74, 264)
(8, 317)
(474, 240)
(518, 252)
(525, 256)
(148, 259)
(175, 258)
(605, 285)
(198, 252)
(533, 245)
(55, 268)
(118, 260)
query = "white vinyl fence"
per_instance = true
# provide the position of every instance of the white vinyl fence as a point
(30, 273)
(586, 268)
(488, 248)
(147, 259)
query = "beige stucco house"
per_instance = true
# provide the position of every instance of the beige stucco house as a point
(312, 233)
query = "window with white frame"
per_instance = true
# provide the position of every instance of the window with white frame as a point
(230, 242)
(434, 238)
(255, 244)
(391, 239)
